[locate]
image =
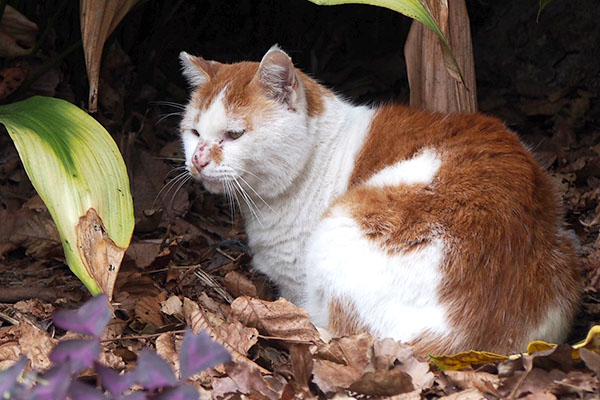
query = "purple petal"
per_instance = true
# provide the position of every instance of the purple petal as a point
(184, 392)
(112, 381)
(199, 352)
(53, 384)
(17, 392)
(90, 319)
(8, 377)
(78, 353)
(153, 372)
(82, 391)
(135, 396)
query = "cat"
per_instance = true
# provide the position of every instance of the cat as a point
(437, 230)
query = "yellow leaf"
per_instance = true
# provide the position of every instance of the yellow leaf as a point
(539, 345)
(465, 359)
(592, 339)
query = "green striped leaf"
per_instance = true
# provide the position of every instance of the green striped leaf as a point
(77, 169)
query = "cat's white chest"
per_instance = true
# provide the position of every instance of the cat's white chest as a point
(279, 233)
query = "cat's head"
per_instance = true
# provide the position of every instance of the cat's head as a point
(246, 124)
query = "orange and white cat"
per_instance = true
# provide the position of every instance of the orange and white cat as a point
(439, 230)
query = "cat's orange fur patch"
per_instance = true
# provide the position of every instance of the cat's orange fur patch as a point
(216, 153)
(244, 94)
(492, 205)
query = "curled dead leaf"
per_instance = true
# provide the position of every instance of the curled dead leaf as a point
(98, 20)
(280, 319)
(100, 255)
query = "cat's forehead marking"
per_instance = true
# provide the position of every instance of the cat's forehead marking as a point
(243, 91)
(235, 78)
(214, 119)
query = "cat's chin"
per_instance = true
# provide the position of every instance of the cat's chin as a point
(213, 186)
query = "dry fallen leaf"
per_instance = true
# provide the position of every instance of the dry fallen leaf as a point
(280, 319)
(341, 362)
(331, 377)
(149, 254)
(236, 338)
(27, 339)
(147, 310)
(383, 383)
(238, 285)
(302, 364)
(246, 379)
(591, 359)
(352, 351)
(32, 227)
(387, 351)
(165, 347)
(482, 381)
(35, 307)
(576, 382)
(172, 306)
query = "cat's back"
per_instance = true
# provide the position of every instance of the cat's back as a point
(465, 221)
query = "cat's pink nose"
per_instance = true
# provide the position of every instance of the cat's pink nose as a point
(200, 159)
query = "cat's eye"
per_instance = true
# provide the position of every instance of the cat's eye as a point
(195, 132)
(235, 134)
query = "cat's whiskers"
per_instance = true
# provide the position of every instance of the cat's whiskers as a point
(248, 172)
(170, 104)
(252, 207)
(170, 185)
(254, 191)
(228, 196)
(183, 181)
(177, 159)
(173, 114)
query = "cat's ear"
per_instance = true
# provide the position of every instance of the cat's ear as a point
(276, 74)
(197, 70)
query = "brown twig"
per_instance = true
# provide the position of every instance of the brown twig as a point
(145, 336)
(9, 319)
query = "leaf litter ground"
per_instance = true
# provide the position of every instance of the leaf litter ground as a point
(189, 265)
